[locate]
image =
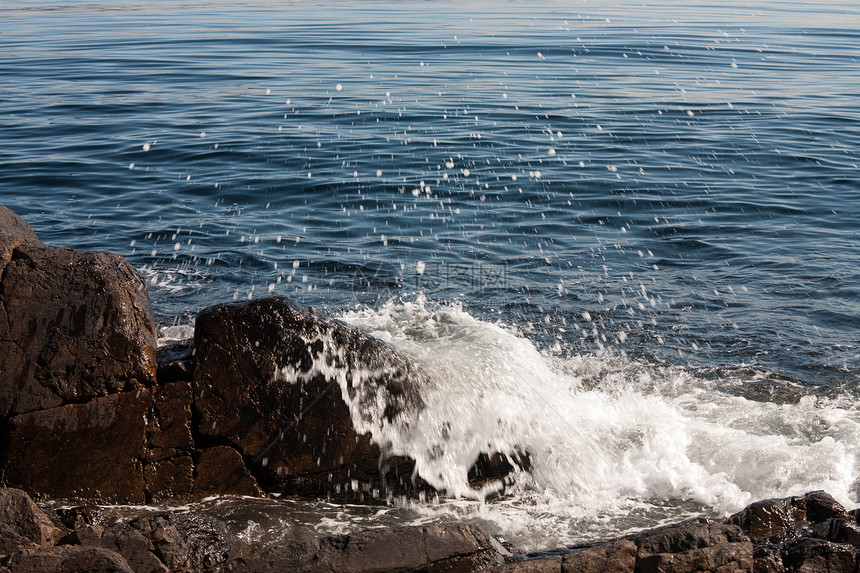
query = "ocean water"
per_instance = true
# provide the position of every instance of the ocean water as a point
(621, 236)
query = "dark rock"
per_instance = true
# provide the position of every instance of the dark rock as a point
(221, 470)
(79, 516)
(188, 541)
(768, 559)
(695, 546)
(73, 325)
(120, 538)
(163, 542)
(550, 564)
(134, 547)
(14, 231)
(175, 362)
(812, 555)
(612, 557)
(490, 467)
(723, 558)
(99, 446)
(445, 542)
(785, 531)
(839, 531)
(267, 381)
(22, 523)
(169, 467)
(432, 548)
(131, 447)
(686, 536)
(771, 519)
(821, 506)
(169, 478)
(67, 559)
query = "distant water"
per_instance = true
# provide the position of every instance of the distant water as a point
(624, 237)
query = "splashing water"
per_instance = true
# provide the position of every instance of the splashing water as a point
(609, 438)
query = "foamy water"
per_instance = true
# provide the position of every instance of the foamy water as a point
(615, 444)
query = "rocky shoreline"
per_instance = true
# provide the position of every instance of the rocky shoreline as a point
(269, 397)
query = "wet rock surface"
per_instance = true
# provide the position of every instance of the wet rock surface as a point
(811, 533)
(268, 394)
(23, 524)
(431, 548)
(193, 541)
(269, 380)
(67, 559)
(73, 325)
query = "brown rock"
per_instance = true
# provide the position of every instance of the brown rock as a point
(722, 558)
(221, 470)
(134, 547)
(99, 446)
(22, 523)
(821, 506)
(839, 531)
(454, 548)
(169, 467)
(694, 546)
(773, 519)
(768, 559)
(812, 555)
(551, 564)
(169, 419)
(84, 535)
(73, 325)
(169, 478)
(612, 557)
(67, 559)
(14, 229)
(267, 380)
(188, 541)
(686, 536)
(175, 362)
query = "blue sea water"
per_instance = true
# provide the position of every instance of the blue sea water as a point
(656, 198)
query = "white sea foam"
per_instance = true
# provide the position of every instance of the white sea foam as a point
(609, 438)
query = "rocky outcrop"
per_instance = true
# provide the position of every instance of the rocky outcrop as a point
(801, 533)
(811, 533)
(265, 393)
(77, 368)
(817, 539)
(73, 325)
(270, 393)
(274, 381)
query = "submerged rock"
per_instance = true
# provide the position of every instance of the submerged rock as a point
(277, 382)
